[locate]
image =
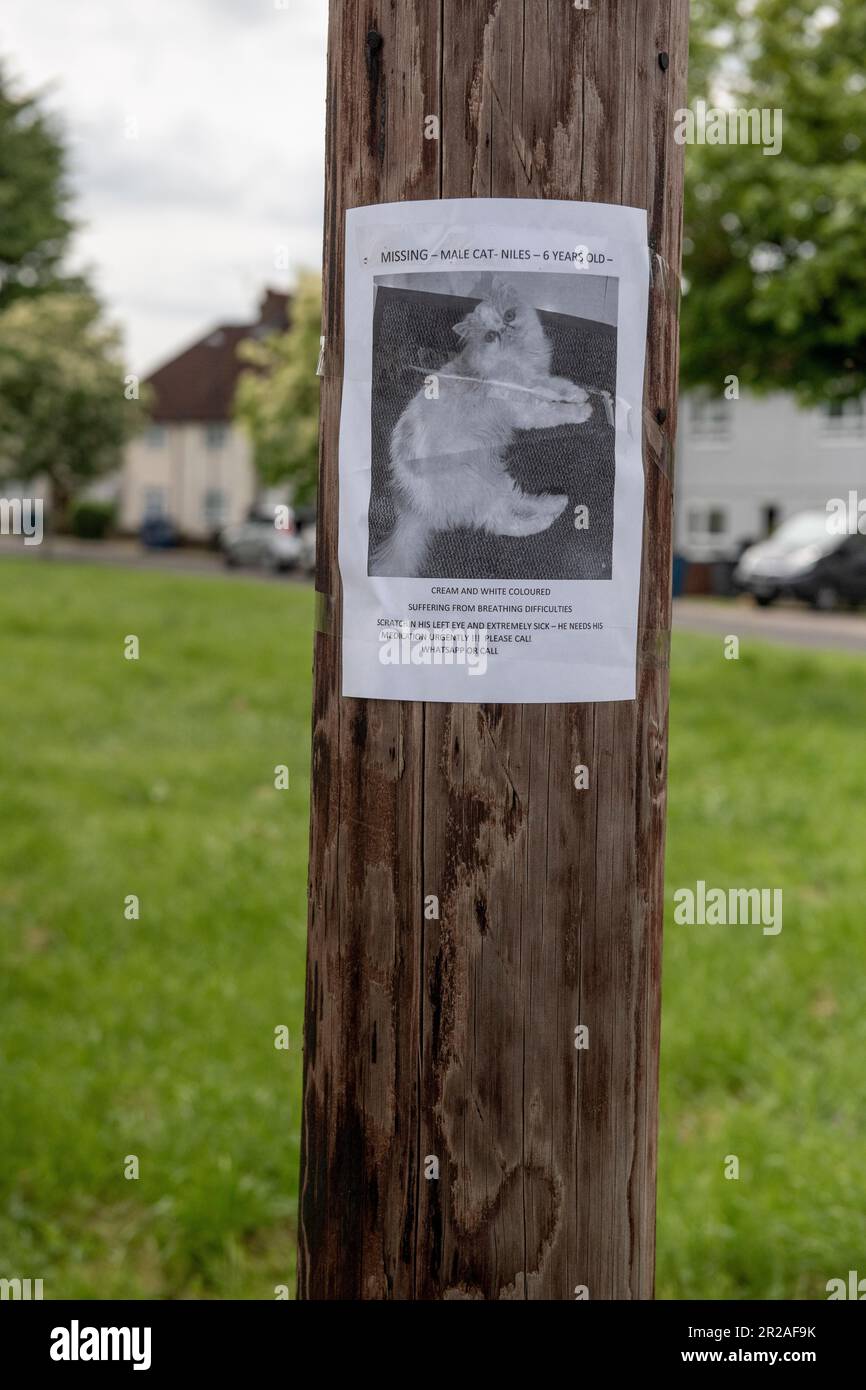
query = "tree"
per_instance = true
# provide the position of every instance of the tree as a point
(278, 402)
(64, 411)
(34, 226)
(775, 246)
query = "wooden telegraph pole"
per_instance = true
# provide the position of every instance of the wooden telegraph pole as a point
(453, 1039)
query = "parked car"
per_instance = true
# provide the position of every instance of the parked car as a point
(159, 533)
(308, 548)
(803, 560)
(259, 541)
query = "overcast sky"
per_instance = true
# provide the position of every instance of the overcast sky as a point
(196, 135)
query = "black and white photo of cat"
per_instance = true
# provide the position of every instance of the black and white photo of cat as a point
(493, 441)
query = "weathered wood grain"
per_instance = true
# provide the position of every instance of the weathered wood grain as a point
(455, 1037)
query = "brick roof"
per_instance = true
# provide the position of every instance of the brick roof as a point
(199, 384)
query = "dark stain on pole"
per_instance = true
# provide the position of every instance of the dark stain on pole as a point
(376, 133)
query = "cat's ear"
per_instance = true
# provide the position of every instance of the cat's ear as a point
(505, 291)
(462, 329)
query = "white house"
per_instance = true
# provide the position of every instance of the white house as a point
(194, 465)
(745, 465)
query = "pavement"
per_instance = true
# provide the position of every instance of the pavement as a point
(130, 554)
(789, 624)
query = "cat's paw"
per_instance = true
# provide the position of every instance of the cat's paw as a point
(527, 515)
(573, 394)
(551, 504)
(566, 391)
(576, 414)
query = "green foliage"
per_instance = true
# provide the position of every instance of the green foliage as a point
(63, 411)
(279, 402)
(34, 225)
(91, 520)
(775, 250)
(710, 33)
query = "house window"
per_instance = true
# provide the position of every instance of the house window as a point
(215, 436)
(707, 521)
(843, 419)
(214, 507)
(154, 436)
(770, 516)
(154, 502)
(710, 419)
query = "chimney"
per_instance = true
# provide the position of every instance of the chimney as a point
(274, 311)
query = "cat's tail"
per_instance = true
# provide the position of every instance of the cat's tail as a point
(402, 553)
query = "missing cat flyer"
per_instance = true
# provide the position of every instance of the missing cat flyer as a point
(491, 478)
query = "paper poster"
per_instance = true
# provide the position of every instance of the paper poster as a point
(491, 482)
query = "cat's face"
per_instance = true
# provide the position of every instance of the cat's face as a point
(498, 326)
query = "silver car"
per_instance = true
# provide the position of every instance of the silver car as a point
(260, 541)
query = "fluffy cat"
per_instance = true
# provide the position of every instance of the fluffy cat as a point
(448, 455)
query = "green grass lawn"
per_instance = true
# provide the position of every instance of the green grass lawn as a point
(152, 1037)
(764, 1037)
(155, 1037)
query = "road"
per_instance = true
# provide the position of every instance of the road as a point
(129, 554)
(789, 624)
